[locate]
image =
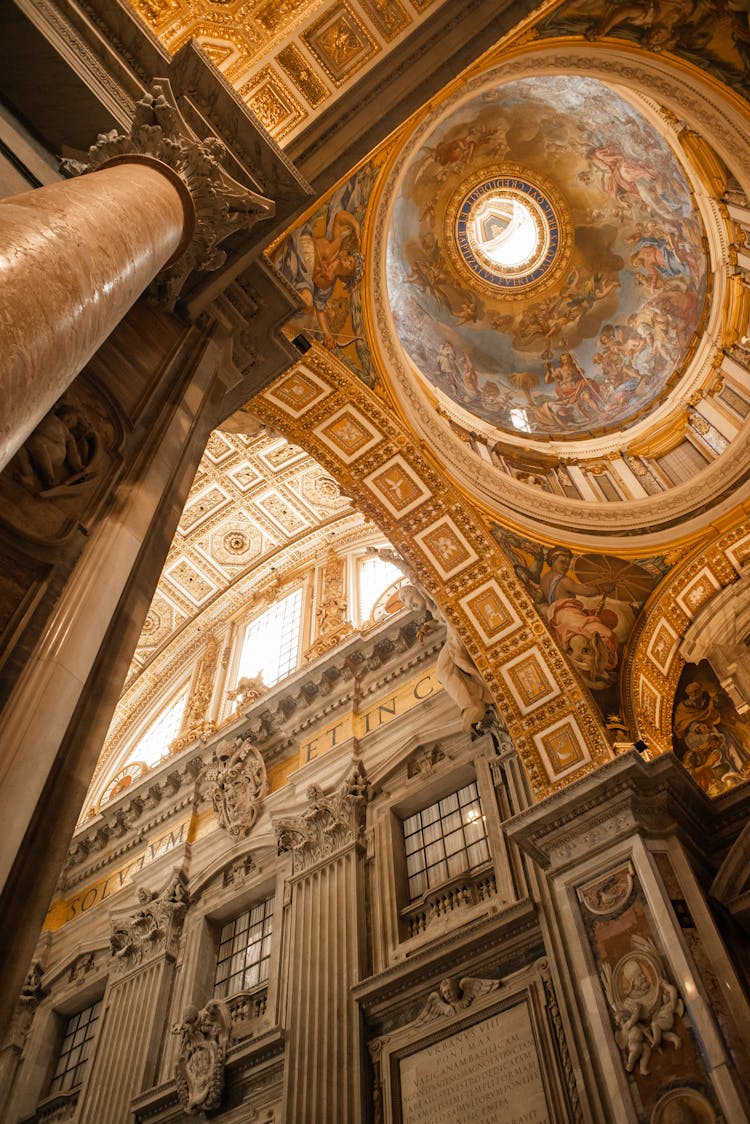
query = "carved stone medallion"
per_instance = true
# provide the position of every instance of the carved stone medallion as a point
(204, 1037)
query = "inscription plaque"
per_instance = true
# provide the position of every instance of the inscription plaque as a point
(486, 1074)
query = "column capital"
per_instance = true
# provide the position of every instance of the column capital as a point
(329, 824)
(153, 930)
(216, 205)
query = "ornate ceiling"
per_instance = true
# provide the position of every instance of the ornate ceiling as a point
(259, 515)
(288, 59)
(256, 502)
(552, 467)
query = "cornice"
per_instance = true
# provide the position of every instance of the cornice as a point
(625, 797)
(512, 930)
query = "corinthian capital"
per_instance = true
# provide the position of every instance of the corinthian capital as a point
(216, 205)
(330, 823)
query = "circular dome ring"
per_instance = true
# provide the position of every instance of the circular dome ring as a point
(546, 210)
(500, 212)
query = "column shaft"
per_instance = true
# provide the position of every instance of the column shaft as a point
(74, 257)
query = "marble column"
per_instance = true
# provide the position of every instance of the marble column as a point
(74, 257)
(656, 1002)
(323, 1073)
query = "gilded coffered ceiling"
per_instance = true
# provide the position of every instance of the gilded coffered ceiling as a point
(257, 503)
(287, 58)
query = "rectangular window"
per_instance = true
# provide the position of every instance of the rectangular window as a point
(271, 645)
(76, 1048)
(444, 840)
(244, 950)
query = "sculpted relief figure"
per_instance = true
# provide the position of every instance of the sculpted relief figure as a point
(204, 1038)
(457, 673)
(645, 1005)
(32, 992)
(60, 454)
(453, 996)
(236, 782)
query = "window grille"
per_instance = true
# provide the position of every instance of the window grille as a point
(444, 840)
(74, 1053)
(244, 950)
(271, 644)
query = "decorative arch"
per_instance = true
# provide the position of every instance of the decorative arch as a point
(655, 661)
(401, 485)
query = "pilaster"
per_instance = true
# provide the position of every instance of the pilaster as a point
(144, 946)
(657, 1003)
(326, 942)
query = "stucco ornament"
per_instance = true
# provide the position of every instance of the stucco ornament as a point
(249, 689)
(153, 928)
(645, 1005)
(453, 996)
(235, 780)
(32, 993)
(329, 823)
(221, 204)
(204, 1038)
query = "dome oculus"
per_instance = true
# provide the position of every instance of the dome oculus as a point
(507, 232)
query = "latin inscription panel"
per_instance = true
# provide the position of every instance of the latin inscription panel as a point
(486, 1074)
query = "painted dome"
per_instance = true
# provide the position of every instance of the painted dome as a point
(546, 269)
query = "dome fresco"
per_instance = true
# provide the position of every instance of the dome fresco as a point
(545, 267)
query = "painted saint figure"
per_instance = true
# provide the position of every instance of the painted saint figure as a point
(574, 390)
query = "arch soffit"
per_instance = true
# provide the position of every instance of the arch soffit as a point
(654, 662)
(399, 484)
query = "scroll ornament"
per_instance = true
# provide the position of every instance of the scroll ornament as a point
(248, 690)
(235, 780)
(204, 1038)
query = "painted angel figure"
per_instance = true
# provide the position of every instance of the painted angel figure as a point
(453, 996)
(324, 264)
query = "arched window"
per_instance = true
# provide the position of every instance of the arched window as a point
(374, 576)
(271, 644)
(155, 742)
